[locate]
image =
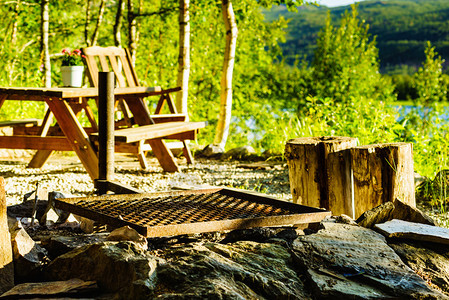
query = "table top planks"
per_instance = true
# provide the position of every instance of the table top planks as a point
(40, 94)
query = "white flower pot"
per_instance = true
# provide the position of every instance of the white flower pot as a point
(72, 76)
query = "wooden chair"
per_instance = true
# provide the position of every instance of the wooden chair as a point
(118, 60)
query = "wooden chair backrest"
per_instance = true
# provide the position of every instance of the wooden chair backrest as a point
(110, 59)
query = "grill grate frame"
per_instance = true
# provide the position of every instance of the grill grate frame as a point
(185, 212)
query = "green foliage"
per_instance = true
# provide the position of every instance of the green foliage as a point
(424, 118)
(345, 65)
(425, 124)
(404, 86)
(371, 122)
(429, 79)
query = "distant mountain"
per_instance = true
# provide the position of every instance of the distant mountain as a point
(402, 28)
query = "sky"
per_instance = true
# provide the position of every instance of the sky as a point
(333, 3)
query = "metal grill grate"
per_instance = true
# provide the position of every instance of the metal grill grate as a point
(163, 214)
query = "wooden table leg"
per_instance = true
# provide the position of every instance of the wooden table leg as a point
(142, 117)
(75, 135)
(41, 156)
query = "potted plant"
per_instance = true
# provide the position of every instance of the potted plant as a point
(72, 68)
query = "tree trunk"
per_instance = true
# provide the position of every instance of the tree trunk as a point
(184, 56)
(45, 54)
(99, 21)
(6, 259)
(118, 23)
(86, 25)
(224, 118)
(15, 24)
(133, 32)
(382, 173)
(320, 172)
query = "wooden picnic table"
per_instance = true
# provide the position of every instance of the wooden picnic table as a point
(63, 103)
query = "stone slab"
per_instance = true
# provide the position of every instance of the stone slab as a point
(53, 288)
(413, 231)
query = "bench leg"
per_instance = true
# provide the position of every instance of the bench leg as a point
(160, 150)
(141, 156)
(39, 159)
(187, 153)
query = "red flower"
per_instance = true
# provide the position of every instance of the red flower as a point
(74, 58)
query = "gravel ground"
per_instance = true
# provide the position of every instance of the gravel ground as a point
(65, 174)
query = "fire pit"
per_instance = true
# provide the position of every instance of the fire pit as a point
(186, 212)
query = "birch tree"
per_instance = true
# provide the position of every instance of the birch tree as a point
(224, 118)
(184, 56)
(118, 23)
(93, 40)
(45, 54)
(133, 31)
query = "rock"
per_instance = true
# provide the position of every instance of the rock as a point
(260, 165)
(393, 210)
(29, 257)
(342, 219)
(86, 225)
(430, 261)
(6, 258)
(63, 215)
(242, 270)
(212, 151)
(57, 245)
(127, 233)
(347, 261)
(413, 231)
(244, 152)
(260, 235)
(25, 209)
(73, 287)
(117, 267)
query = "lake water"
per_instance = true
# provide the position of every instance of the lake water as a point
(405, 109)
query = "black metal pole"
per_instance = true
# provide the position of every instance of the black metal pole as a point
(106, 127)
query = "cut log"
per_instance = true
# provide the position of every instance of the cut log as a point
(6, 261)
(382, 173)
(320, 172)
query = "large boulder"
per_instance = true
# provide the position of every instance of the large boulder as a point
(117, 267)
(348, 261)
(241, 270)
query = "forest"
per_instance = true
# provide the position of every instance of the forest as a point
(401, 28)
(341, 90)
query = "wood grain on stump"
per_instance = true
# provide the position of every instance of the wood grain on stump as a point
(382, 173)
(319, 171)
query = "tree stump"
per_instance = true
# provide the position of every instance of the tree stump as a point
(320, 172)
(382, 173)
(6, 260)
